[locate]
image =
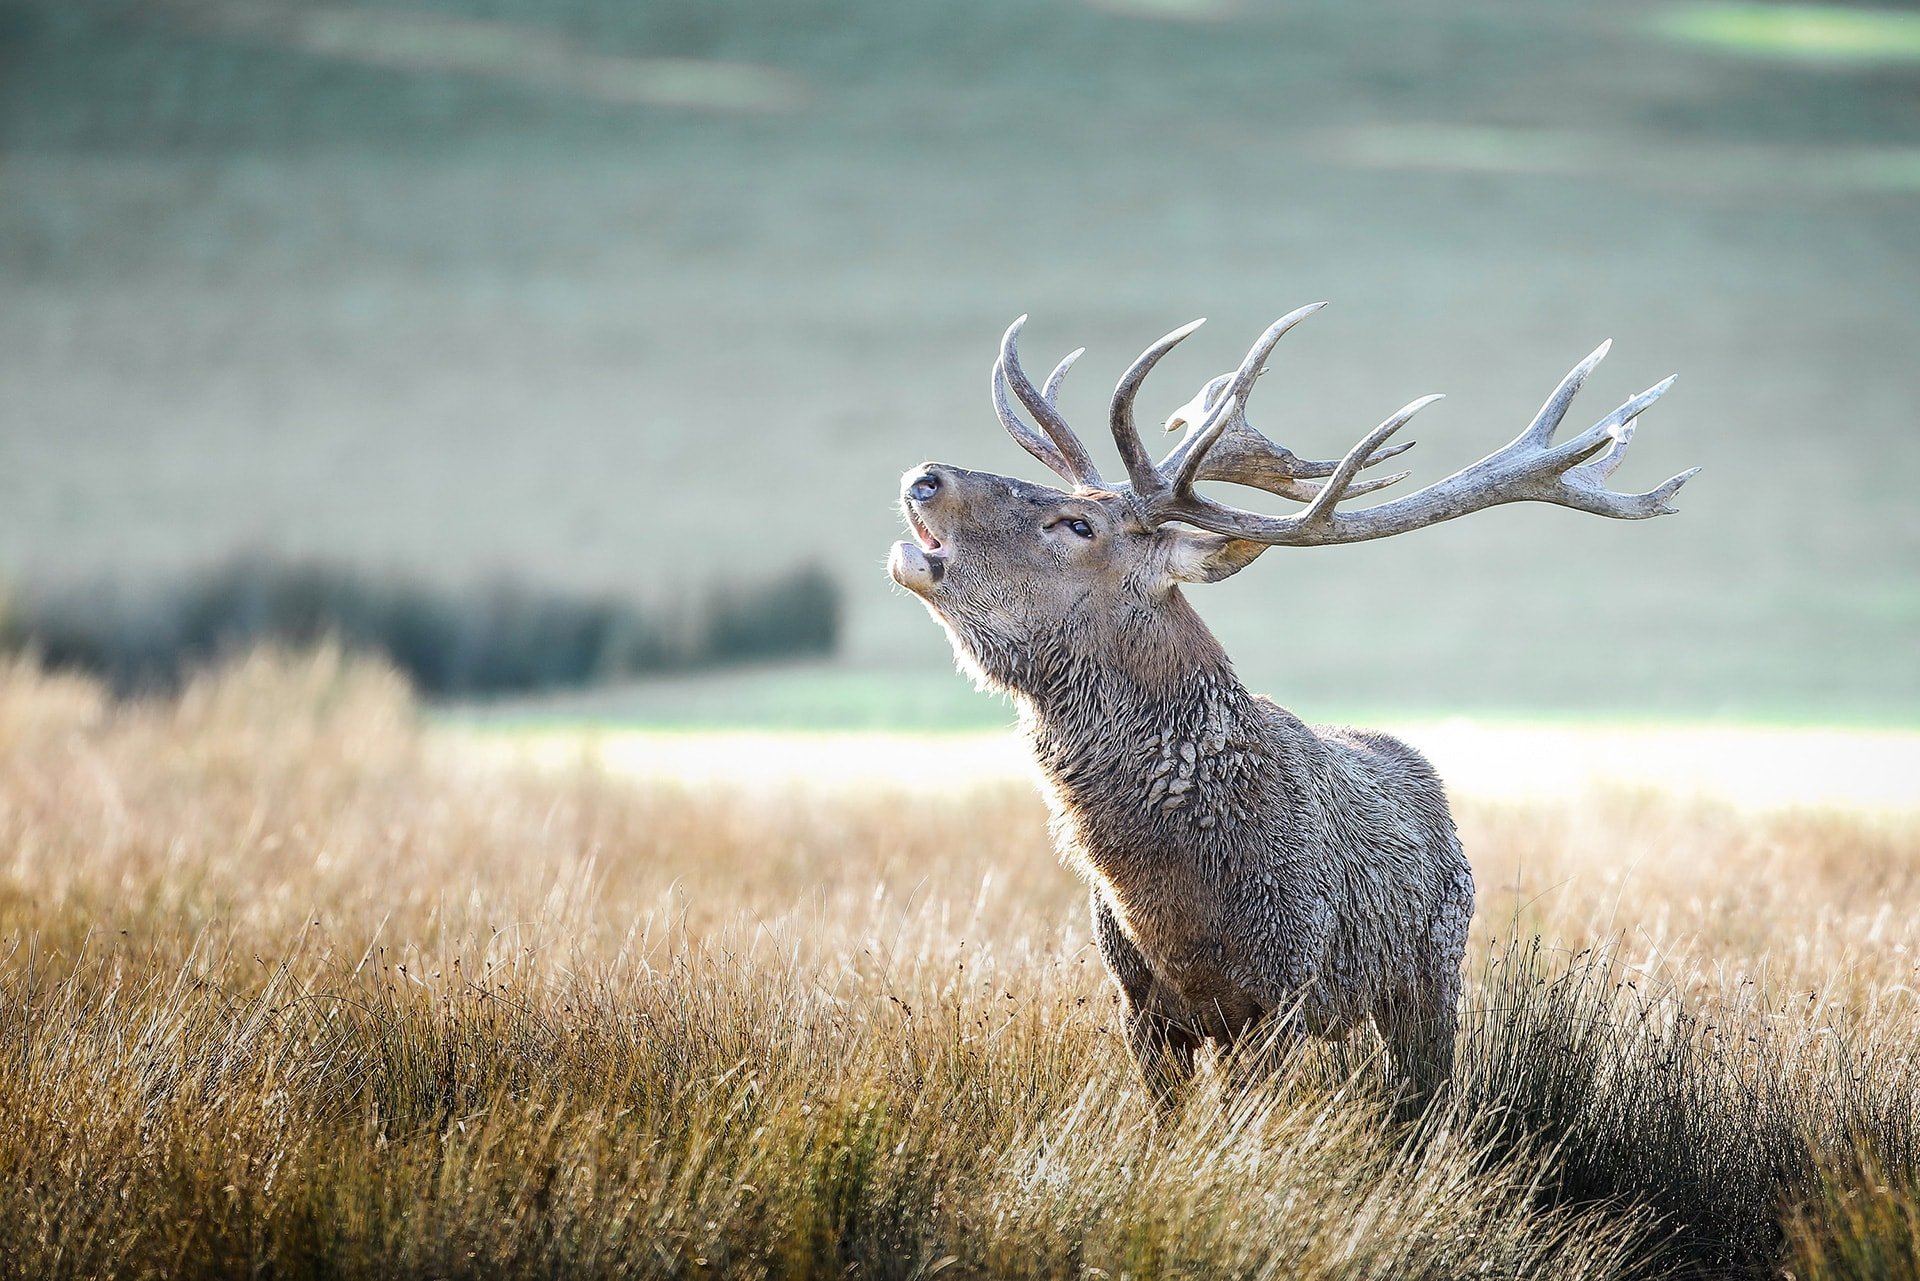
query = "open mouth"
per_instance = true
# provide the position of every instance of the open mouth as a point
(922, 535)
(920, 565)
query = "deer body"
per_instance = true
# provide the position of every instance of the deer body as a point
(1245, 868)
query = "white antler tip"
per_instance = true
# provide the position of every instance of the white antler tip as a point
(1179, 335)
(1663, 496)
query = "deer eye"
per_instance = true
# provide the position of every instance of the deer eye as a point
(1080, 527)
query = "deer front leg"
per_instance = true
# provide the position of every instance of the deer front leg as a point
(1419, 1029)
(1162, 1048)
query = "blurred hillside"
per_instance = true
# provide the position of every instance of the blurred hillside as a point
(618, 295)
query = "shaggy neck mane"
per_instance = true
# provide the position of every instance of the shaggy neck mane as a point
(1103, 712)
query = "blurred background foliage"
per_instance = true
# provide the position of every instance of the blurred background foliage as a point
(651, 301)
(501, 637)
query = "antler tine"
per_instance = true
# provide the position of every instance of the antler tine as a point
(1026, 437)
(1146, 479)
(1052, 388)
(1337, 485)
(1182, 464)
(1609, 429)
(1079, 466)
(1308, 469)
(1654, 502)
(1539, 432)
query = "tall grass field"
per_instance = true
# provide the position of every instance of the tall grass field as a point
(288, 990)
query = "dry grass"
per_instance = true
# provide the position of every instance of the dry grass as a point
(283, 993)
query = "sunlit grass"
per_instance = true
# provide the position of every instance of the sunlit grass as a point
(1799, 33)
(286, 991)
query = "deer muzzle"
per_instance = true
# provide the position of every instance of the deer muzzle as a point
(918, 565)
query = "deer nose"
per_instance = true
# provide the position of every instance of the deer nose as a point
(924, 486)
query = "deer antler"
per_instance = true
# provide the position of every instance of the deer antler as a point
(1529, 468)
(1219, 444)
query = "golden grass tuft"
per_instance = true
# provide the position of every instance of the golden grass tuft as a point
(284, 991)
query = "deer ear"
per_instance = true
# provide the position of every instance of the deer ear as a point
(1196, 556)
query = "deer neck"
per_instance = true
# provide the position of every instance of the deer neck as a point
(1139, 727)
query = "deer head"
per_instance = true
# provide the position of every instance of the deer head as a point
(1030, 581)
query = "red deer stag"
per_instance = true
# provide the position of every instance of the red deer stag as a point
(1242, 863)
